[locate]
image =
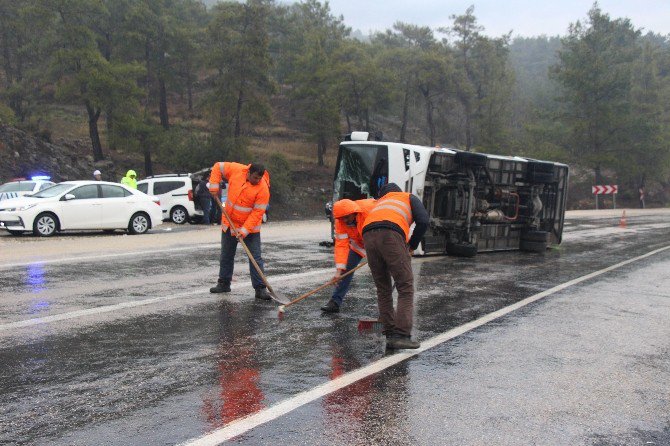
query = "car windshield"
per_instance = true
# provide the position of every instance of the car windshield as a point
(53, 191)
(18, 186)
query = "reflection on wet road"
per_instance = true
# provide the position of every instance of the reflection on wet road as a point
(178, 362)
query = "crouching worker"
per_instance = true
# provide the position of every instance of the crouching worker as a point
(389, 248)
(349, 248)
(248, 199)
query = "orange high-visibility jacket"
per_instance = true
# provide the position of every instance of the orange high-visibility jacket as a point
(351, 237)
(394, 207)
(246, 203)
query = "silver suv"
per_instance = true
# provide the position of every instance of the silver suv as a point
(175, 192)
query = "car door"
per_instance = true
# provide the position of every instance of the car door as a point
(117, 206)
(84, 211)
(169, 194)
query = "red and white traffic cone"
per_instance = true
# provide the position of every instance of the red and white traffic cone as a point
(622, 220)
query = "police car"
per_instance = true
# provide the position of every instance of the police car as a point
(22, 186)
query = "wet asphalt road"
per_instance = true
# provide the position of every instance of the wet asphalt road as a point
(132, 349)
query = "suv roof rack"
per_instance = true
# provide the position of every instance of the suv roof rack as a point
(168, 175)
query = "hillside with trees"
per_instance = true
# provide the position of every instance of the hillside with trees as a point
(174, 85)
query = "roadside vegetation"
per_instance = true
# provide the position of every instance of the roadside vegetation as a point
(180, 84)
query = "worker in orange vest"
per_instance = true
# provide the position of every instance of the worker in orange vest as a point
(389, 247)
(248, 199)
(349, 216)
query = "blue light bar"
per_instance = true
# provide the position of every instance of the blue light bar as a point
(40, 177)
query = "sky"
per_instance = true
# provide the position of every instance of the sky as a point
(525, 18)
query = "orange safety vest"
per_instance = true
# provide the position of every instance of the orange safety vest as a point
(246, 202)
(351, 237)
(394, 207)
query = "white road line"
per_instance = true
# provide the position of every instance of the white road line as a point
(108, 256)
(138, 303)
(242, 425)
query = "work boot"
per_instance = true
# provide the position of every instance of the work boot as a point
(221, 287)
(262, 294)
(331, 307)
(398, 342)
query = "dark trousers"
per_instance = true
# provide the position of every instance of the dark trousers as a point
(343, 285)
(227, 260)
(206, 206)
(389, 258)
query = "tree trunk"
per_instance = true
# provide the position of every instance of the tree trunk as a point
(147, 60)
(163, 107)
(109, 123)
(238, 112)
(148, 165)
(468, 128)
(320, 150)
(405, 112)
(429, 115)
(93, 116)
(189, 89)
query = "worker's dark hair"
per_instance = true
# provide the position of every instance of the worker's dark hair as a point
(389, 187)
(257, 168)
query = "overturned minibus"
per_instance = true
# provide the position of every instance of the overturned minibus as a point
(477, 202)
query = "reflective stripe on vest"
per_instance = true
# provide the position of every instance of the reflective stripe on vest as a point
(357, 248)
(244, 210)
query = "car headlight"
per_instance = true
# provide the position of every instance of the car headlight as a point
(22, 208)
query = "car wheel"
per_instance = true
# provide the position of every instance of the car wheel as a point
(45, 225)
(13, 232)
(179, 215)
(139, 223)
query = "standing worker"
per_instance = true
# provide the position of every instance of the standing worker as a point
(349, 247)
(389, 249)
(130, 179)
(248, 199)
(97, 175)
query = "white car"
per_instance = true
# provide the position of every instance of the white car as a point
(78, 205)
(175, 192)
(23, 187)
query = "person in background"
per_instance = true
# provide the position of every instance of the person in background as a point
(215, 213)
(204, 198)
(130, 179)
(97, 175)
(389, 248)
